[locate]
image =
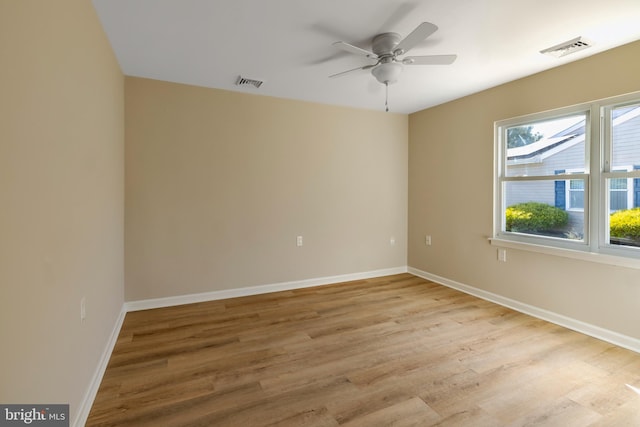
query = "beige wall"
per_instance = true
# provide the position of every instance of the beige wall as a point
(451, 196)
(62, 198)
(219, 184)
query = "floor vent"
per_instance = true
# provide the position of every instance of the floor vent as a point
(567, 47)
(242, 81)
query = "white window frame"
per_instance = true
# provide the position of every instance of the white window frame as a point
(501, 178)
(598, 141)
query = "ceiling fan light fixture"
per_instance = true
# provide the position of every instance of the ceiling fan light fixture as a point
(387, 72)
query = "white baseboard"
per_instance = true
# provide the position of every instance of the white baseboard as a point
(607, 335)
(256, 290)
(96, 380)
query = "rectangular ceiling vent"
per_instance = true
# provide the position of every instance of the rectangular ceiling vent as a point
(242, 81)
(568, 47)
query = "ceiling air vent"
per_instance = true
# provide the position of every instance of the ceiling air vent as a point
(242, 81)
(567, 47)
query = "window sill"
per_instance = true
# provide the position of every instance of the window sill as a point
(601, 258)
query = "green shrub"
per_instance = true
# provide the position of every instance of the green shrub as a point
(535, 217)
(625, 223)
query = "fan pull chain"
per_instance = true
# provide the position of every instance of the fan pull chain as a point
(386, 97)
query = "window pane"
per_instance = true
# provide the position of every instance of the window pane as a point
(625, 144)
(546, 148)
(539, 208)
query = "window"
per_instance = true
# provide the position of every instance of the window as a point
(570, 178)
(543, 185)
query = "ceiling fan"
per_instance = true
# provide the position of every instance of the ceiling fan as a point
(387, 49)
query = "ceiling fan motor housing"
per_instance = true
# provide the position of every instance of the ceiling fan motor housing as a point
(385, 43)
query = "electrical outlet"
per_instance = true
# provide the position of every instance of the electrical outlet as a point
(392, 241)
(427, 240)
(83, 309)
(299, 241)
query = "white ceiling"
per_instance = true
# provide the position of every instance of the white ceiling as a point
(288, 43)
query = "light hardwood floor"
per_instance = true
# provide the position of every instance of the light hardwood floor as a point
(395, 350)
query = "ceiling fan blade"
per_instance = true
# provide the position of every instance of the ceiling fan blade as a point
(429, 60)
(355, 50)
(421, 32)
(366, 67)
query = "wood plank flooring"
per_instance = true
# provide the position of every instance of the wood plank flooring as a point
(395, 350)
